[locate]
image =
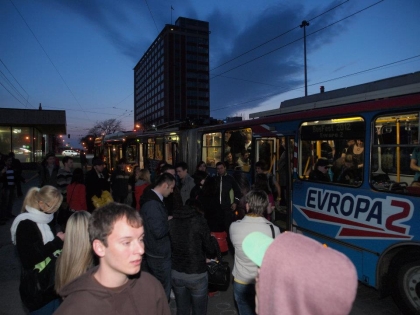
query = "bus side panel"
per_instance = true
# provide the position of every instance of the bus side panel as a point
(336, 213)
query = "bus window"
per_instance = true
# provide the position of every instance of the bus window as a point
(159, 149)
(395, 139)
(212, 148)
(151, 149)
(131, 154)
(340, 144)
(170, 149)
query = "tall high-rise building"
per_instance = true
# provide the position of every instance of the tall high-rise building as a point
(171, 80)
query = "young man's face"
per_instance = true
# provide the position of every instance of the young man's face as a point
(69, 163)
(258, 170)
(181, 172)
(99, 168)
(168, 189)
(51, 160)
(9, 162)
(221, 169)
(125, 249)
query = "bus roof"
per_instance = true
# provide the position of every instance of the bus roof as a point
(390, 87)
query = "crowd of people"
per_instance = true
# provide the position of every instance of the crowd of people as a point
(118, 224)
(345, 169)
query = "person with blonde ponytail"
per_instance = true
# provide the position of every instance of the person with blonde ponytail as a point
(76, 257)
(38, 243)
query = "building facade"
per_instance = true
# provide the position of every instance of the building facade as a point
(171, 80)
(30, 133)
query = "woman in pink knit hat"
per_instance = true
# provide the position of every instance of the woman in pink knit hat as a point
(300, 276)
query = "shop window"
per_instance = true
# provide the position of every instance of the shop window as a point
(5, 144)
(22, 143)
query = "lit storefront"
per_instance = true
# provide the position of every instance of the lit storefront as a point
(28, 133)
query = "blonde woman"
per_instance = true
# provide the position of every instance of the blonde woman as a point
(76, 257)
(38, 242)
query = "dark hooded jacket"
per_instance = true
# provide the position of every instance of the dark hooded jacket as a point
(140, 296)
(225, 183)
(191, 241)
(156, 227)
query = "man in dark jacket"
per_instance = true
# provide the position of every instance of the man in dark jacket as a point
(48, 171)
(97, 180)
(174, 200)
(119, 182)
(226, 183)
(156, 229)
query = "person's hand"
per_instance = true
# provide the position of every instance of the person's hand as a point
(233, 206)
(170, 217)
(61, 235)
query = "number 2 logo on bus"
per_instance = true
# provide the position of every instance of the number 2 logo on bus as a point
(359, 216)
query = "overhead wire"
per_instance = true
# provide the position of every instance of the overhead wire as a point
(275, 37)
(313, 84)
(13, 86)
(296, 40)
(150, 11)
(12, 94)
(45, 52)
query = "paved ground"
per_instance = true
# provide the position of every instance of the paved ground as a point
(222, 303)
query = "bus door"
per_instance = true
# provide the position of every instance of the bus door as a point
(171, 149)
(275, 153)
(142, 152)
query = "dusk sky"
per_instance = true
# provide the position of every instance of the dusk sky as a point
(79, 55)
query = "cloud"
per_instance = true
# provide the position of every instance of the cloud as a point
(128, 26)
(269, 70)
(241, 83)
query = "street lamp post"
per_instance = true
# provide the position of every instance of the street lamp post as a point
(304, 25)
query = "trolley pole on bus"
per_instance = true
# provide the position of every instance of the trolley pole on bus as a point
(304, 24)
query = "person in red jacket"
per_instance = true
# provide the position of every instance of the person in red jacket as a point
(76, 191)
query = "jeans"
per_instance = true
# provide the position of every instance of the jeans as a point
(245, 298)
(47, 309)
(161, 269)
(190, 295)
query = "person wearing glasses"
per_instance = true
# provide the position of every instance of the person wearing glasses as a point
(320, 172)
(38, 243)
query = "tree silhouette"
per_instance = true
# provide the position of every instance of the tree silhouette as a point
(105, 127)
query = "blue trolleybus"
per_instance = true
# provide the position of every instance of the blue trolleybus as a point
(369, 208)
(371, 214)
